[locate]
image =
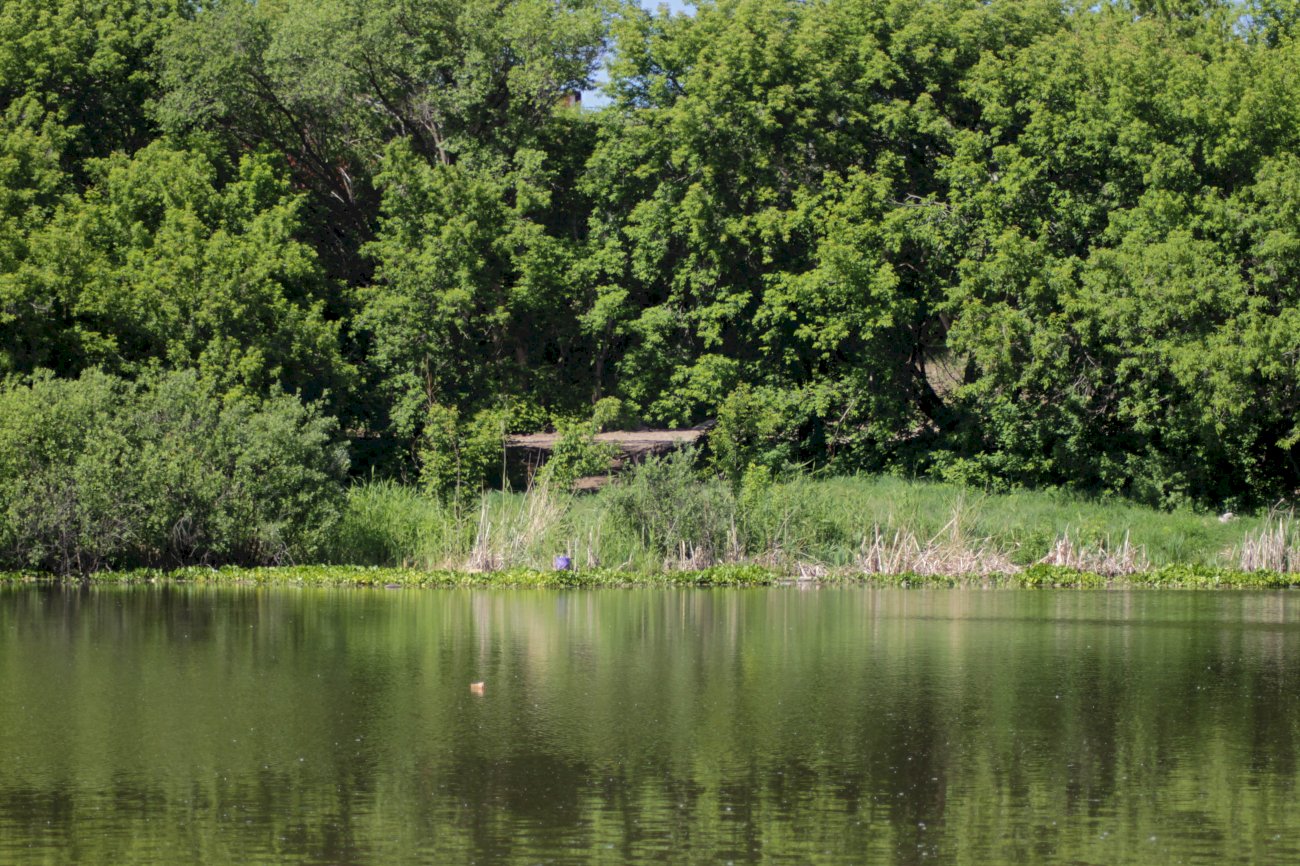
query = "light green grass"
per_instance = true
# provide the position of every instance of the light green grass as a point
(1025, 523)
(665, 526)
(803, 526)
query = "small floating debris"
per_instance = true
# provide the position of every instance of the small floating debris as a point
(476, 688)
(392, 586)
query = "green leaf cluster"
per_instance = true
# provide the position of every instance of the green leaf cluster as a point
(99, 472)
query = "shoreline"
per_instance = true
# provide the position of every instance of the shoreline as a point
(373, 577)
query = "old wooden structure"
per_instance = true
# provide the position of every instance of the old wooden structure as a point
(530, 451)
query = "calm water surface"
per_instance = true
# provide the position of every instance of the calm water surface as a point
(172, 725)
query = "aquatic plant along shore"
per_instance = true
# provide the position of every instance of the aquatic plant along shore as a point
(1035, 577)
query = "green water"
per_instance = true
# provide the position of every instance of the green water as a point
(178, 725)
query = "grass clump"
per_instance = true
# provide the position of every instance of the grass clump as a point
(674, 515)
(1274, 546)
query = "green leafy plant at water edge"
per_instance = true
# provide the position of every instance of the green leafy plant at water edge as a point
(726, 575)
(737, 575)
(97, 472)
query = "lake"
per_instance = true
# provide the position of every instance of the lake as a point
(169, 724)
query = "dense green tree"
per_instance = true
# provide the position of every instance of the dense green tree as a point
(163, 263)
(767, 203)
(87, 68)
(1009, 242)
(430, 138)
(475, 300)
(77, 80)
(1121, 322)
(329, 83)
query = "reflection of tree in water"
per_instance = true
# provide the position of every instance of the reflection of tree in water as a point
(742, 725)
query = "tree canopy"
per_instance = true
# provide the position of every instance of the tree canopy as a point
(1005, 242)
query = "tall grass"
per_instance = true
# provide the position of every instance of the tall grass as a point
(385, 523)
(664, 518)
(1274, 546)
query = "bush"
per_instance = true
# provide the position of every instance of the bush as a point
(752, 431)
(98, 472)
(577, 454)
(458, 457)
(674, 513)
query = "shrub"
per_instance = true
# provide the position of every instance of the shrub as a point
(98, 472)
(675, 514)
(748, 424)
(576, 455)
(458, 457)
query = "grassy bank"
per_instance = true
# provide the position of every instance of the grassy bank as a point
(1035, 577)
(664, 520)
(663, 525)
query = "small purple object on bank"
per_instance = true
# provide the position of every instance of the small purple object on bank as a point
(562, 563)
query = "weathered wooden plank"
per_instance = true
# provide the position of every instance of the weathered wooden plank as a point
(634, 443)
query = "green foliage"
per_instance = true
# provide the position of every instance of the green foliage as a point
(85, 69)
(1119, 330)
(767, 188)
(76, 83)
(332, 82)
(1036, 577)
(471, 292)
(756, 430)
(457, 458)
(577, 454)
(161, 263)
(98, 472)
(1018, 255)
(673, 512)
(609, 413)
(410, 578)
(1004, 244)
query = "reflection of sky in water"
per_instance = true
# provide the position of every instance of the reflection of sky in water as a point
(596, 99)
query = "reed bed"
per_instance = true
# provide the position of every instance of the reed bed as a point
(951, 552)
(1274, 546)
(1125, 559)
(665, 519)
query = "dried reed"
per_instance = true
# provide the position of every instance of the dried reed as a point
(513, 539)
(1275, 547)
(1102, 559)
(952, 551)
